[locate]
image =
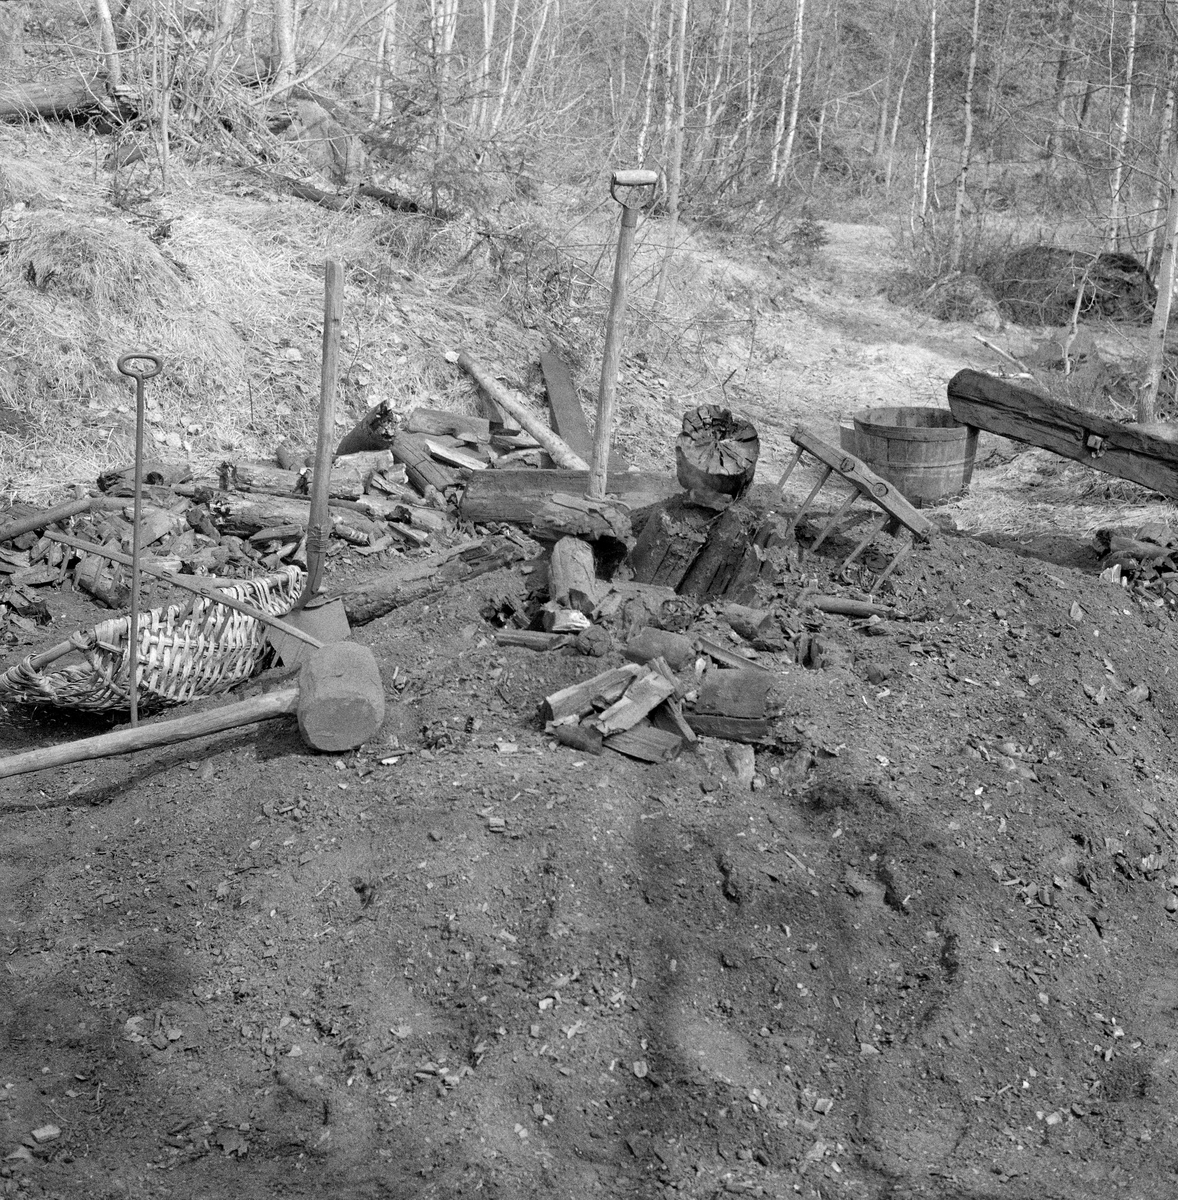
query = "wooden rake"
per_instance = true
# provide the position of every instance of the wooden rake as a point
(895, 512)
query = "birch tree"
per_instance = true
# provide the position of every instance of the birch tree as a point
(930, 92)
(958, 242)
(1113, 230)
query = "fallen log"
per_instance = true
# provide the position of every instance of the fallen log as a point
(399, 586)
(56, 97)
(517, 497)
(561, 454)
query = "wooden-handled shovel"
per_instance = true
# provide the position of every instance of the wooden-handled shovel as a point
(324, 619)
(615, 326)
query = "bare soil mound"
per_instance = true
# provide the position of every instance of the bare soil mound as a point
(928, 952)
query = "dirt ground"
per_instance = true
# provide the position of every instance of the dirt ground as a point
(928, 951)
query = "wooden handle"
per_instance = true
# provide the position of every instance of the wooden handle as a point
(319, 527)
(612, 356)
(144, 737)
(634, 178)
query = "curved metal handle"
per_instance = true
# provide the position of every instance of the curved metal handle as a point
(125, 368)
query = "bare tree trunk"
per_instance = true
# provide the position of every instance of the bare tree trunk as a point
(890, 165)
(795, 102)
(1061, 81)
(675, 171)
(788, 88)
(533, 50)
(669, 76)
(282, 45)
(12, 39)
(927, 161)
(714, 106)
(505, 67)
(443, 16)
(881, 131)
(958, 244)
(1147, 397)
(222, 33)
(1113, 231)
(386, 57)
(110, 50)
(651, 68)
(1161, 188)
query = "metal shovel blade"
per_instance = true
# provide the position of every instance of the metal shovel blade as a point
(321, 618)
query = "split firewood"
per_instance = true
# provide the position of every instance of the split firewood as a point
(647, 691)
(475, 431)
(369, 463)
(423, 472)
(572, 575)
(713, 568)
(561, 454)
(455, 456)
(580, 699)
(566, 515)
(717, 451)
(669, 718)
(646, 742)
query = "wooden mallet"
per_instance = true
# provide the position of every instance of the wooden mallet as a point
(339, 702)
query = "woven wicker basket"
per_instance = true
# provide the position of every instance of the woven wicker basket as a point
(185, 651)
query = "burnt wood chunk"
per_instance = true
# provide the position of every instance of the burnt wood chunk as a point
(733, 729)
(734, 694)
(715, 565)
(423, 472)
(672, 538)
(717, 451)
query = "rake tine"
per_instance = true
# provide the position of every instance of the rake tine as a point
(837, 516)
(810, 498)
(896, 561)
(789, 470)
(869, 537)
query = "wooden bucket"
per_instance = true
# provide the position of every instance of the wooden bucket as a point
(926, 452)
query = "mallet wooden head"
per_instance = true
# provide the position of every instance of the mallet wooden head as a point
(341, 697)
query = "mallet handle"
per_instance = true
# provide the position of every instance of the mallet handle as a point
(164, 733)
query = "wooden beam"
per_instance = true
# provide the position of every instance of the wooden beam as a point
(519, 497)
(1127, 451)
